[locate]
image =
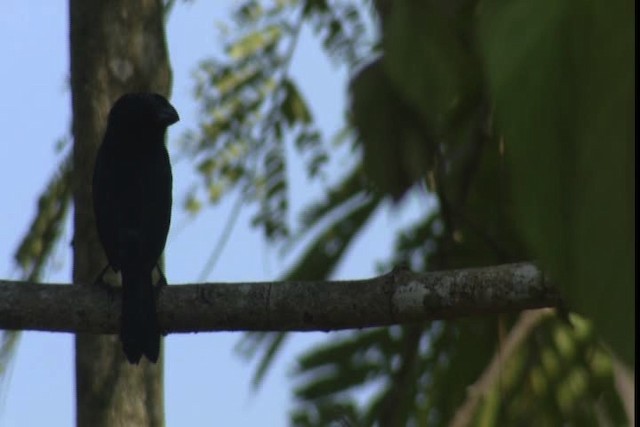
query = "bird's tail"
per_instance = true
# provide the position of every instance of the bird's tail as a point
(139, 333)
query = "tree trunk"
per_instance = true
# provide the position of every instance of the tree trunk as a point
(116, 46)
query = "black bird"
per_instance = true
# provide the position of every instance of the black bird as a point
(132, 205)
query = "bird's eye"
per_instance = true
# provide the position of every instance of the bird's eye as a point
(160, 100)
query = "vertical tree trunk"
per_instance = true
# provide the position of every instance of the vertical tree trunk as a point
(117, 46)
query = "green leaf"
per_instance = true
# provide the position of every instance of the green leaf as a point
(272, 215)
(349, 346)
(562, 78)
(398, 147)
(249, 12)
(272, 341)
(335, 198)
(337, 381)
(327, 412)
(192, 204)
(323, 254)
(38, 242)
(429, 58)
(293, 106)
(254, 42)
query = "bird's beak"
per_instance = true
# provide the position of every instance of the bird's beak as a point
(168, 115)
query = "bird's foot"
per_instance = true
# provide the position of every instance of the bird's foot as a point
(162, 280)
(103, 284)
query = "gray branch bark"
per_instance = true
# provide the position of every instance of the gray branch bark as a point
(398, 297)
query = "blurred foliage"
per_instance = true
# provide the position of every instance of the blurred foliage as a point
(563, 82)
(438, 96)
(36, 246)
(46, 227)
(252, 107)
(518, 116)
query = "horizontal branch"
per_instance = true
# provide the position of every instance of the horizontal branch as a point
(400, 296)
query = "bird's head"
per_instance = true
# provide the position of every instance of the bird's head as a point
(137, 114)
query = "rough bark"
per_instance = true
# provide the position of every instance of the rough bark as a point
(399, 297)
(116, 46)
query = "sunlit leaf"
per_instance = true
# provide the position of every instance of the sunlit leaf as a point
(192, 204)
(253, 42)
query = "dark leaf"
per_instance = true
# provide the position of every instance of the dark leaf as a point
(398, 146)
(562, 75)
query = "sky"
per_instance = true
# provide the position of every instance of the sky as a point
(206, 382)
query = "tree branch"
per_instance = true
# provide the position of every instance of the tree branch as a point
(400, 296)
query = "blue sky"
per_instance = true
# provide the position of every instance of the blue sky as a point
(205, 381)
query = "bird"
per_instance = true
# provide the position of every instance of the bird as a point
(132, 196)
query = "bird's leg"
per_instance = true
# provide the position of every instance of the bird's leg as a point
(99, 281)
(163, 280)
(161, 283)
